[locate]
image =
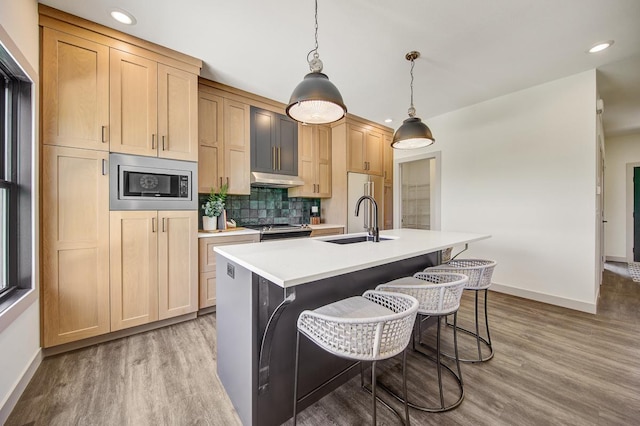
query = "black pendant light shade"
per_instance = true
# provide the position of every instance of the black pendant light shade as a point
(316, 100)
(413, 133)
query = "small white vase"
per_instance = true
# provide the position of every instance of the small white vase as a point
(209, 223)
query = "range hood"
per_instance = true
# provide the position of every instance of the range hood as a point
(272, 180)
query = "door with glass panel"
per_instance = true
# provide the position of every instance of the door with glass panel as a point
(416, 193)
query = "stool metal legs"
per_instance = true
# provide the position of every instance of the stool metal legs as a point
(295, 381)
(479, 339)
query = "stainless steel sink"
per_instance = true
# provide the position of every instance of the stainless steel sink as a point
(353, 240)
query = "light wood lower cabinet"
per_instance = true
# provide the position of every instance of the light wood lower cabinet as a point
(337, 230)
(75, 244)
(208, 263)
(153, 266)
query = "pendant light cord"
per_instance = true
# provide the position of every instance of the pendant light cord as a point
(412, 110)
(315, 49)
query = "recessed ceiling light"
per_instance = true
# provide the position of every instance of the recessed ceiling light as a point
(123, 16)
(599, 47)
(388, 120)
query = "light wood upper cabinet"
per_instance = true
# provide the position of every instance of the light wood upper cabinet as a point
(177, 114)
(75, 244)
(134, 268)
(210, 139)
(177, 263)
(364, 150)
(134, 104)
(75, 91)
(314, 162)
(388, 160)
(154, 108)
(237, 149)
(207, 266)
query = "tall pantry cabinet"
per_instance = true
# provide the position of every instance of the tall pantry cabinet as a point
(79, 127)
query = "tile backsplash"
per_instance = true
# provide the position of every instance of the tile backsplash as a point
(267, 206)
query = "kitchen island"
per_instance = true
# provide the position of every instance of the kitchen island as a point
(263, 287)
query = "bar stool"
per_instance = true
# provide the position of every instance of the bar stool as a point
(479, 272)
(438, 295)
(371, 327)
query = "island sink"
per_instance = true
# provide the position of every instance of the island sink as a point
(352, 240)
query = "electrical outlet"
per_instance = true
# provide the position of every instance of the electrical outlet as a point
(231, 270)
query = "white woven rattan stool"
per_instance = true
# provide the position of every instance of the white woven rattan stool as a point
(438, 295)
(371, 327)
(479, 272)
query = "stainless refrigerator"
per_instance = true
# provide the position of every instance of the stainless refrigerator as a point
(359, 184)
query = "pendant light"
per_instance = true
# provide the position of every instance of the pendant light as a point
(413, 133)
(316, 100)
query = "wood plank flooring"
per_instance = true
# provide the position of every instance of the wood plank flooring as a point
(552, 366)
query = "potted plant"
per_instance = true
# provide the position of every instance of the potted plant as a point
(213, 208)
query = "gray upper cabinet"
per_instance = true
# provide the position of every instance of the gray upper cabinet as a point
(274, 143)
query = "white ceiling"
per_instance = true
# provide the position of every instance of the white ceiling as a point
(471, 50)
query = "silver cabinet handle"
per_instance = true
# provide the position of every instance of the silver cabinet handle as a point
(164, 228)
(104, 131)
(153, 224)
(227, 181)
(153, 141)
(104, 167)
(163, 142)
(273, 157)
(279, 158)
(220, 181)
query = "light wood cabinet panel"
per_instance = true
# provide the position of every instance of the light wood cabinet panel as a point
(364, 150)
(388, 160)
(237, 150)
(207, 264)
(327, 231)
(75, 91)
(210, 139)
(134, 104)
(314, 162)
(177, 263)
(75, 244)
(177, 114)
(134, 268)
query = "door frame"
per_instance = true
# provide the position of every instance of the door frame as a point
(435, 187)
(629, 227)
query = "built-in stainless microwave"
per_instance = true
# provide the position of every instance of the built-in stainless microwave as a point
(149, 183)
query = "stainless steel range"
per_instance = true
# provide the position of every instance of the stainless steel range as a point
(279, 232)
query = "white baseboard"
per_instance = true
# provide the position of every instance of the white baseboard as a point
(10, 402)
(545, 298)
(616, 259)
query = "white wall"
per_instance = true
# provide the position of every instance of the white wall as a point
(20, 340)
(522, 168)
(619, 151)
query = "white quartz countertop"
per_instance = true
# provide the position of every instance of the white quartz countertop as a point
(292, 262)
(325, 226)
(228, 232)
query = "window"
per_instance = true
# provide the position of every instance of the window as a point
(16, 118)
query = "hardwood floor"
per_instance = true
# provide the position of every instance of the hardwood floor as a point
(552, 366)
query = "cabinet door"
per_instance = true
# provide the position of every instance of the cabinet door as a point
(177, 114)
(323, 173)
(287, 145)
(210, 134)
(75, 91)
(134, 268)
(263, 141)
(306, 163)
(134, 104)
(388, 160)
(237, 160)
(75, 244)
(373, 153)
(356, 137)
(177, 263)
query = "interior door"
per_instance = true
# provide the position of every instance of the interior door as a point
(636, 214)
